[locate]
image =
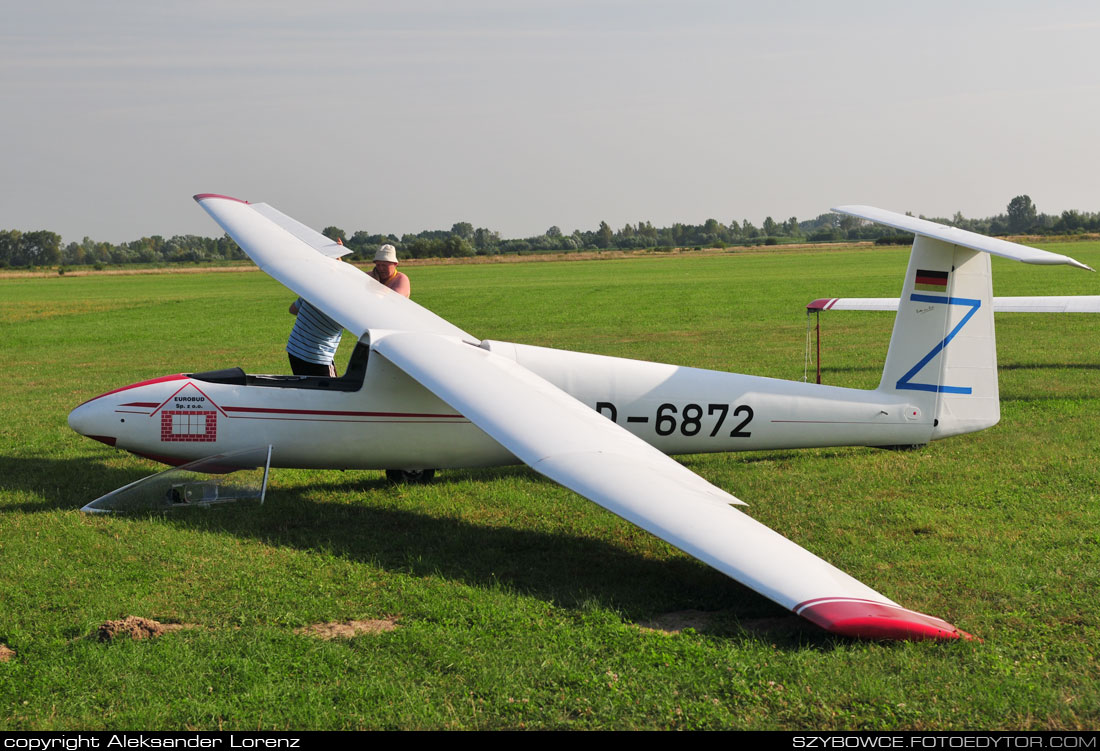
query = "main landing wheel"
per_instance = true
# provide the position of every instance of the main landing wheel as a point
(410, 476)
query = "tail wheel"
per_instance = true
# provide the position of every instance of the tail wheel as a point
(410, 476)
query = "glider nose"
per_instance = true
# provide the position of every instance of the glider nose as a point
(91, 419)
(99, 417)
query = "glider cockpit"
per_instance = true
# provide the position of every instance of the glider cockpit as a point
(351, 380)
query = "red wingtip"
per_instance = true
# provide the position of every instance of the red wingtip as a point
(821, 304)
(200, 197)
(864, 619)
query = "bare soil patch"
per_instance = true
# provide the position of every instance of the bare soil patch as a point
(136, 627)
(781, 626)
(703, 622)
(347, 629)
(6, 653)
(674, 623)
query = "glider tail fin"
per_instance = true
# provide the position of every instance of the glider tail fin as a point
(943, 352)
(943, 356)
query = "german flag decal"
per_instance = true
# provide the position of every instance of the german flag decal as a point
(930, 281)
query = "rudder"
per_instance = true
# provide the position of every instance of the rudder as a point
(943, 352)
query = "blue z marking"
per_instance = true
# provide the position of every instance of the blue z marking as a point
(904, 382)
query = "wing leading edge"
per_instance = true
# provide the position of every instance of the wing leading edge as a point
(341, 291)
(569, 443)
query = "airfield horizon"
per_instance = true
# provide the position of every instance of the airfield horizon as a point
(221, 266)
(523, 257)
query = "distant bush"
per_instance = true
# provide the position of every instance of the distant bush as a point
(894, 240)
(827, 235)
(771, 241)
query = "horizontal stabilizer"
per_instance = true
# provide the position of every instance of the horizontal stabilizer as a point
(1041, 304)
(961, 237)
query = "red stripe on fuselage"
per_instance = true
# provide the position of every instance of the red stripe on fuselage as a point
(162, 379)
(334, 412)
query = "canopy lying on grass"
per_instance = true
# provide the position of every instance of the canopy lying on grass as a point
(224, 478)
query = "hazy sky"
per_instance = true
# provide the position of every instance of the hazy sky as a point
(403, 116)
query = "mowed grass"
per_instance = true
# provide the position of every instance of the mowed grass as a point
(517, 601)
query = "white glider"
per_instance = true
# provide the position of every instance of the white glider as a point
(422, 394)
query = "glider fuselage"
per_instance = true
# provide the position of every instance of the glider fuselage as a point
(391, 421)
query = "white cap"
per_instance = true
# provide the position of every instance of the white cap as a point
(386, 253)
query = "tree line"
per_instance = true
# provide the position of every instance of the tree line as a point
(44, 248)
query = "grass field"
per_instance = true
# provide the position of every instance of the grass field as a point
(517, 603)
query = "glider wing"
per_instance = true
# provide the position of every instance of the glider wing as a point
(570, 443)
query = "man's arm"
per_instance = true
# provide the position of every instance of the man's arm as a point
(401, 285)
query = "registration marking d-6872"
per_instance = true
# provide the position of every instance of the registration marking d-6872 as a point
(688, 420)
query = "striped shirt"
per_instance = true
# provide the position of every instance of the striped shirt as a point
(315, 336)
